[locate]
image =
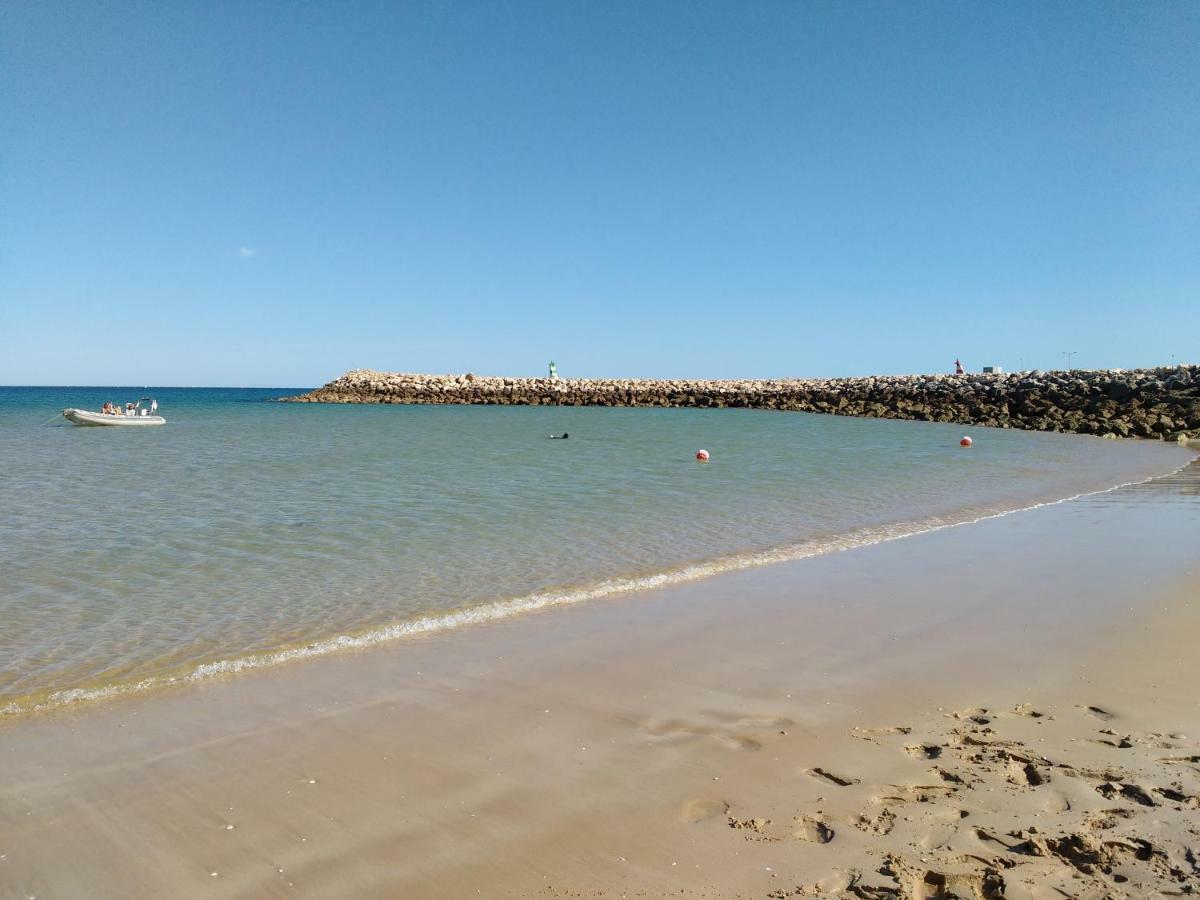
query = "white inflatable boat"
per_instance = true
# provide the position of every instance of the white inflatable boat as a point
(132, 414)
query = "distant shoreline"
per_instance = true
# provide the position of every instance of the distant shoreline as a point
(1161, 403)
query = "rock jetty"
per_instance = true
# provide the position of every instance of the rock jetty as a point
(1146, 403)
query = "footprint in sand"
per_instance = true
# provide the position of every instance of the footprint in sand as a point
(751, 722)
(1104, 819)
(1056, 803)
(881, 824)
(675, 730)
(982, 880)
(946, 775)
(1188, 761)
(838, 883)
(960, 741)
(986, 883)
(738, 742)
(700, 810)
(992, 841)
(1028, 711)
(936, 837)
(1155, 739)
(1109, 774)
(757, 825)
(869, 734)
(813, 830)
(1176, 794)
(915, 793)
(976, 714)
(826, 775)
(1096, 712)
(728, 731)
(1112, 739)
(1088, 853)
(923, 751)
(1108, 790)
(1024, 774)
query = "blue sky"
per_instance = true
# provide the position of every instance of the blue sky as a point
(268, 194)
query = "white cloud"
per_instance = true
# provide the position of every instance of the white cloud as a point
(247, 252)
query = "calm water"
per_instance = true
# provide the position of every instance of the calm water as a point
(246, 532)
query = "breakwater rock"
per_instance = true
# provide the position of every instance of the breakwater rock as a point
(1148, 403)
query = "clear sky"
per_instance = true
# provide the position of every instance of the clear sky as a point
(240, 193)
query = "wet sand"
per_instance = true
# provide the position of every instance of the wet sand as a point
(1000, 709)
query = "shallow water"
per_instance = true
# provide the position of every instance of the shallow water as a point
(246, 532)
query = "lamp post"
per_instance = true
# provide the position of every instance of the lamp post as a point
(1069, 354)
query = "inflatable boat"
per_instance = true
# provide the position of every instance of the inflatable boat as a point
(132, 414)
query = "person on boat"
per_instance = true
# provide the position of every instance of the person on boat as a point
(129, 409)
(108, 409)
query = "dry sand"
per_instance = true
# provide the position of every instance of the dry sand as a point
(1004, 709)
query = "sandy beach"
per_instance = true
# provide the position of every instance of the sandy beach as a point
(711, 451)
(1002, 709)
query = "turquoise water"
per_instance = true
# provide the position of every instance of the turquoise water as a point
(244, 532)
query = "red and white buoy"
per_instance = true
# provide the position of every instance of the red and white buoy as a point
(965, 442)
(702, 455)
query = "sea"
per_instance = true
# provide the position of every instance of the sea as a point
(248, 533)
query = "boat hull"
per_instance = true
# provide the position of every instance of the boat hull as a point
(87, 417)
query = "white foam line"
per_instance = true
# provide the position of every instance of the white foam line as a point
(503, 609)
